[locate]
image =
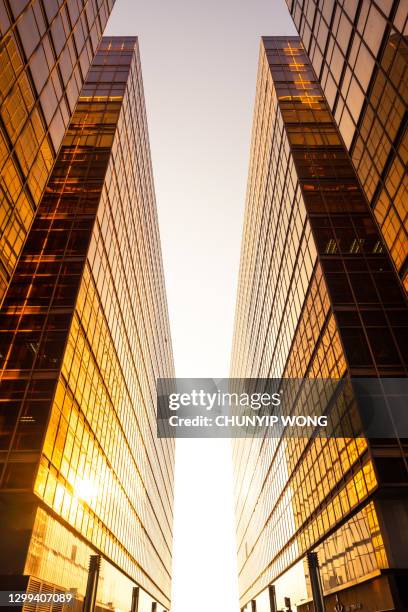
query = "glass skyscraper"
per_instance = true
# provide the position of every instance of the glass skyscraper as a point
(318, 297)
(359, 51)
(46, 49)
(84, 336)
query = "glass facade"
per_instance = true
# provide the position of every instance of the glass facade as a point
(359, 51)
(318, 297)
(46, 49)
(84, 336)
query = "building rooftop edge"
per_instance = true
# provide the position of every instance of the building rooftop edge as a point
(127, 38)
(288, 37)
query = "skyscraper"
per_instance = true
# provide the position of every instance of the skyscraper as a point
(359, 51)
(318, 297)
(46, 49)
(84, 335)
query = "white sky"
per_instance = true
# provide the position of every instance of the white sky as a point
(199, 61)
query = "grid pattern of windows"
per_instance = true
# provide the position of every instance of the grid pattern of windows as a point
(70, 556)
(355, 550)
(46, 49)
(86, 335)
(359, 51)
(316, 292)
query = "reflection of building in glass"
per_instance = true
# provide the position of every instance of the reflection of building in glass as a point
(46, 50)
(318, 297)
(359, 51)
(85, 334)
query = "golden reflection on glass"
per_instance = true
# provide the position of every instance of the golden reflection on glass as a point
(361, 59)
(308, 240)
(87, 337)
(40, 78)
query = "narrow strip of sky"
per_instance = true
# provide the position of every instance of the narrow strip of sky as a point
(199, 62)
